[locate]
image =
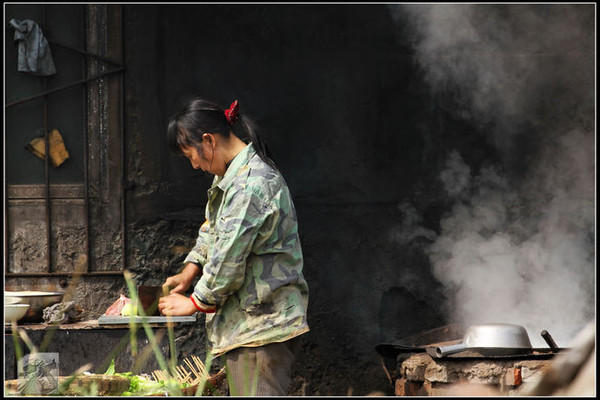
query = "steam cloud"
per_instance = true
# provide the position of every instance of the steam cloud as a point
(517, 247)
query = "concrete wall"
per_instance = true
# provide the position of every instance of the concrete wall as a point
(362, 126)
(351, 125)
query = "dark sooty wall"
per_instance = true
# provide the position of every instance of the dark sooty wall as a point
(358, 135)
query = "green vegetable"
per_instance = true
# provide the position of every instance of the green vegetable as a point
(111, 368)
(141, 386)
(129, 309)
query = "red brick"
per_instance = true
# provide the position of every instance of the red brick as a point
(513, 377)
(405, 387)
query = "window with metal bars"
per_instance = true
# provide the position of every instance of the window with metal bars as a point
(63, 136)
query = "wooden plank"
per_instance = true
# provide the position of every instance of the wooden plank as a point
(121, 320)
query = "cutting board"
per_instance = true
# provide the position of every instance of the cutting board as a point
(121, 320)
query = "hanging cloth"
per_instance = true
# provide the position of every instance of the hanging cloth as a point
(58, 151)
(34, 52)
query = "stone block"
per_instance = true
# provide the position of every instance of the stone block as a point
(414, 368)
(438, 373)
(531, 375)
(482, 373)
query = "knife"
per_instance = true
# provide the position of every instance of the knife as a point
(148, 298)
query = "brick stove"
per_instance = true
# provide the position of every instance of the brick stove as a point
(467, 373)
(414, 369)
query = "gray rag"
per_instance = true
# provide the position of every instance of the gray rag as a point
(60, 313)
(34, 52)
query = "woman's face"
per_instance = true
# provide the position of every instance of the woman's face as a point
(196, 157)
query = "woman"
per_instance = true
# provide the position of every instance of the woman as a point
(248, 252)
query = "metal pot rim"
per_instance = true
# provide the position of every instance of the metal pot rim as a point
(497, 335)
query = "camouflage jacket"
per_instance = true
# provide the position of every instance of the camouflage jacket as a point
(251, 258)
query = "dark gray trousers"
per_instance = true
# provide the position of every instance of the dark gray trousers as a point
(261, 371)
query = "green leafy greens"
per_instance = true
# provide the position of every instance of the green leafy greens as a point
(140, 385)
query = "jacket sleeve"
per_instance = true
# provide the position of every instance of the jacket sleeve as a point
(235, 232)
(198, 254)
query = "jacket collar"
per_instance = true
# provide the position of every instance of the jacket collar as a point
(241, 159)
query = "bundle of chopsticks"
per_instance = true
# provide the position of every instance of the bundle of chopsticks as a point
(196, 373)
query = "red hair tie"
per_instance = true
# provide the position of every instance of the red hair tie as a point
(232, 112)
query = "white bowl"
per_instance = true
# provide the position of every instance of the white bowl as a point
(12, 300)
(14, 312)
(38, 300)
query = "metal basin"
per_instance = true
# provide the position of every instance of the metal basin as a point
(491, 339)
(497, 335)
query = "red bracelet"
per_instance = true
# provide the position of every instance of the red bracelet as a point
(200, 308)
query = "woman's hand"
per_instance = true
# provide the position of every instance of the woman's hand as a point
(183, 280)
(176, 305)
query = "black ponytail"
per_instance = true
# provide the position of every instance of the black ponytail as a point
(246, 129)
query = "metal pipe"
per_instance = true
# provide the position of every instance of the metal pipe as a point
(123, 187)
(549, 340)
(451, 349)
(47, 174)
(87, 53)
(123, 167)
(59, 88)
(86, 166)
(6, 230)
(47, 179)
